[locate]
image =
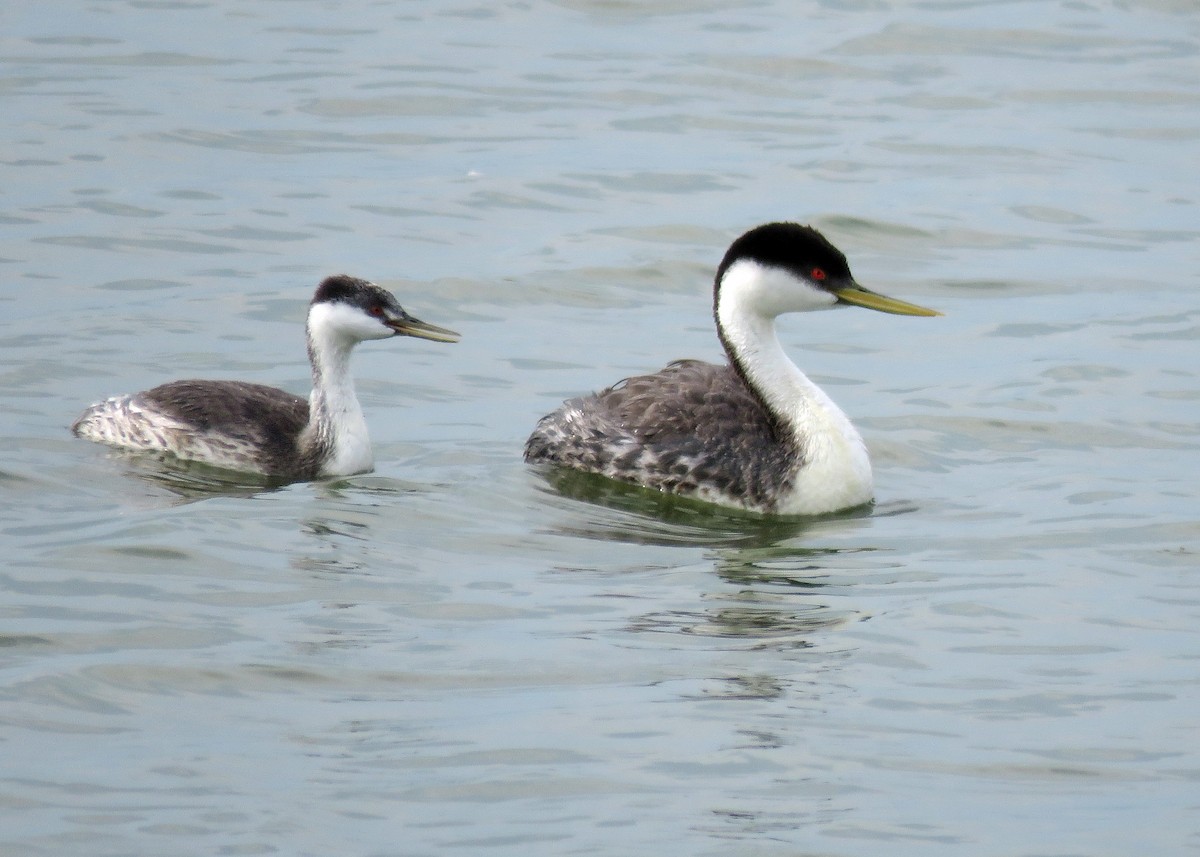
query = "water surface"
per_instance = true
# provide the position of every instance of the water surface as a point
(456, 654)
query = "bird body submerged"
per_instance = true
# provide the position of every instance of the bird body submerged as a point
(258, 429)
(754, 434)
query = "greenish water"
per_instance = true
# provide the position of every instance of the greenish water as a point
(460, 654)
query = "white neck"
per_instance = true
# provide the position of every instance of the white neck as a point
(837, 471)
(336, 418)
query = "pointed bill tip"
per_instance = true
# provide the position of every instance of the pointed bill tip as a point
(410, 326)
(858, 296)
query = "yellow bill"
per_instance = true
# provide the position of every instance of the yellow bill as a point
(858, 296)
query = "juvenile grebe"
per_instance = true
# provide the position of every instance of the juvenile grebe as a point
(754, 434)
(258, 429)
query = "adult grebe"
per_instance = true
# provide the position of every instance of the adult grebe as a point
(755, 434)
(258, 429)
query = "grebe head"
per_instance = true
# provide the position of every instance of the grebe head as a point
(786, 267)
(353, 310)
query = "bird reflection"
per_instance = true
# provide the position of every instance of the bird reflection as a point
(621, 512)
(191, 481)
(779, 598)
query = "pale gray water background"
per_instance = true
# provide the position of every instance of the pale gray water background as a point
(448, 656)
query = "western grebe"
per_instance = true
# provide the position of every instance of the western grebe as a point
(258, 429)
(754, 434)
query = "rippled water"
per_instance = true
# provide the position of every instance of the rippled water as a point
(456, 654)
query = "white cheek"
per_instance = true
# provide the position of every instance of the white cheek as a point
(372, 329)
(344, 321)
(755, 289)
(782, 292)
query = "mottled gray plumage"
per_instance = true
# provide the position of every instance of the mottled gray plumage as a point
(693, 429)
(265, 421)
(264, 430)
(755, 434)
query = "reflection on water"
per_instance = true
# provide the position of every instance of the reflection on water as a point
(190, 481)
(644, 516)
(786, 565)
(774, 626)
(782, 595)
(749, 687)
(464, 655)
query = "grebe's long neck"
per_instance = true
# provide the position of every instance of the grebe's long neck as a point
(337, 430)
(835, 458)
(799, 406)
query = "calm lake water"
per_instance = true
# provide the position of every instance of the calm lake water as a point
(457, 655)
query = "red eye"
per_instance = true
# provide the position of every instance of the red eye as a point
(376, 310)
(817, 274)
